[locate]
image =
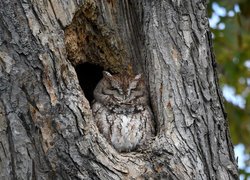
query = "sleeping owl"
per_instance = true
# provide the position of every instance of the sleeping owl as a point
(121, 111)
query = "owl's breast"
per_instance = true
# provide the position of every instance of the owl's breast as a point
(129, 130)
(125, 128)
(125, 108)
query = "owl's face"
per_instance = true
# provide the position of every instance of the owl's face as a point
(122, 88)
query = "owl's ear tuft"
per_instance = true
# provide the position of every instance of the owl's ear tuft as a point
(138, 76)
(106, 74)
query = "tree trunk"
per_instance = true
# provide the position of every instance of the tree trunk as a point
(47, 129)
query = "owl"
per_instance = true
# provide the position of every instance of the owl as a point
(121, 111)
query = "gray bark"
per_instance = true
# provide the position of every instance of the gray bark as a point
(46, 125)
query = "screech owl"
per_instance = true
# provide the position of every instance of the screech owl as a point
(121, 111)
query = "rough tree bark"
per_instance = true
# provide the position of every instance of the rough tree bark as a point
(46, 125)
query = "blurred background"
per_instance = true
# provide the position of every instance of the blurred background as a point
(230, 25)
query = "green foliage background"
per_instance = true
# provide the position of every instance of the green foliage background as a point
(232, 50)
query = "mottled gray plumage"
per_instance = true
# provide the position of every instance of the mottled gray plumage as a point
(121, 111)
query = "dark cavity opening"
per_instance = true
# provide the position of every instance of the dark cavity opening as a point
(88, 75)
